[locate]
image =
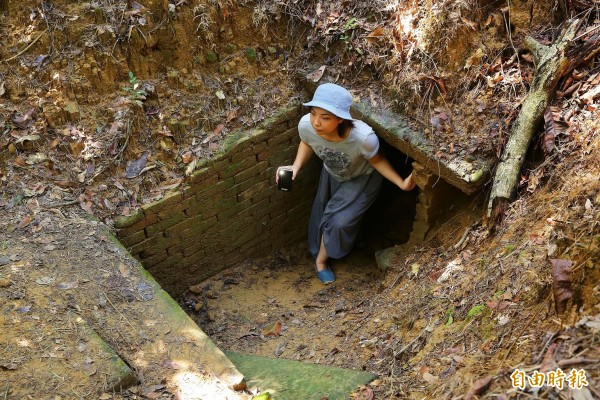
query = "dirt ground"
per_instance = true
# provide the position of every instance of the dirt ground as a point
(454, 317)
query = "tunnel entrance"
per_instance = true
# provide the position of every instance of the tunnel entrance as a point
(390, 220)
(232, 212)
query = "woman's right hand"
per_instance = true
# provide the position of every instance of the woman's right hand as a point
(302, 156)
(288, 167)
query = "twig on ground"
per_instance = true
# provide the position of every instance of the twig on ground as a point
(119, 153)
(545, 347)
(402, 350)
(534, 315)
(26, 48)
(64, 204)
(464, 236)
(575, 361)
(120, 313)
(251, 334)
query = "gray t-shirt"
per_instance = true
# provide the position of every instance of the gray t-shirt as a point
(346, 159)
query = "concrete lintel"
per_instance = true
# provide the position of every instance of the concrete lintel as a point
(468, 176)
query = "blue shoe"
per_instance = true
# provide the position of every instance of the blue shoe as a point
(326, 276)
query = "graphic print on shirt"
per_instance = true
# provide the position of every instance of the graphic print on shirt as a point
(336, 161)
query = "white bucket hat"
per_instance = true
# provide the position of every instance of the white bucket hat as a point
(333, 98)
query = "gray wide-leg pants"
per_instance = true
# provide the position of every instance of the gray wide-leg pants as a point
(338, 210)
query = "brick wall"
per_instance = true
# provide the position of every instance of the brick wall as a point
(230, 211)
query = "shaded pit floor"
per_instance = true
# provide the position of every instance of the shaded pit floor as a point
(276, 307)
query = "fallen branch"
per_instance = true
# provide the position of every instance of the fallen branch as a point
(552, 63)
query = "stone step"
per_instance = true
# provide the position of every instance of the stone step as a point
(182, 355)
(74, 362)
(117, 373)
(293, 380)
(87, 319)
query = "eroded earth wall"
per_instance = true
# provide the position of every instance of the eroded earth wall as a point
(230, 211)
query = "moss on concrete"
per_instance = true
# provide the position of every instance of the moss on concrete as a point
(117, 373)
(124, 221)
(293, 380)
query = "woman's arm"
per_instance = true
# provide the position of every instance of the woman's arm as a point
(302, 156)
(383, 166)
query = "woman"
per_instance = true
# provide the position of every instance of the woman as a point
(351, 177)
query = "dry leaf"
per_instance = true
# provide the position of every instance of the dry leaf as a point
(67, 285)
(171, 364)
(171, 184)
(366, 394)
(527, 57)
(25, 221)
(191, 167)
(561, 283)
(429, 378)
(55, 142)
(30, 138)
(534, 179)
(315, 76)
(76, 148)
(124, 270)
(273, 329)
(375, 34)
(45, 280)
(548, 362)
(553, 127)
(232, 114)
(473, 25)
(436, 80)
(26, 120)
(479, 387)
(36, 158)
(590, 95)
(135, 168)
(218, 129)
(475, 58)
(20, 161)
(187, 157)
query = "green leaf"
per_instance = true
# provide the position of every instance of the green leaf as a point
(415, 269)
(475, 311)
(475, 176)
(350, 24)
(263, 396)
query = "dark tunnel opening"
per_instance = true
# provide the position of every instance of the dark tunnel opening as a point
(390, 219)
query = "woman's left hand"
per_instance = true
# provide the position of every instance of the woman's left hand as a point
(408, 184)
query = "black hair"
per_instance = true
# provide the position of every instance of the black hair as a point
(344, 126)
